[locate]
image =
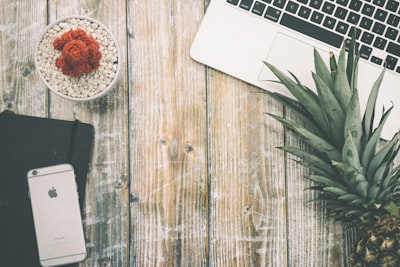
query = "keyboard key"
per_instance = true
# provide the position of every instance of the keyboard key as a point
(279, 3)
(233, 2)
(393, 20)
(392, 5)
(317, 17)
(267, 1)
(312, 30)
(391, 62)
(393, 49)
(272, 14)
(304, 12)
(391, 33)
(258, 8)
(329, 22)
(355, 5)
(340, 13)
(379, 28)
(353, 18)
(328, 8)
(366, 23)
(376, 60)
(365, 52)
(316, 3)
(246, 4)
(367, 38)
(292, 7)
(380, 3)
(380, 43)
(368, 10)
(342, 2)
(303, 1)
(342, 27)
(381, 15)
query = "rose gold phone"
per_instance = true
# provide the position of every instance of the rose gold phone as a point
(56, 214)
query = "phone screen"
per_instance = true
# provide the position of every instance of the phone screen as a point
(56, 213)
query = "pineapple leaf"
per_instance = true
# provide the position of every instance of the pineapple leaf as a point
(306, 97)
(361, 185)
(335, 190)
(392, 209)
(299, 110)
(352, 60)
(350, 153)
(342, 88)
(352, 199)
(287, 123)
(315, 161)
(322, 70)
(352, 122)
(380, 173)
(370, 146)
(392, 178)
(326, 182)
(369, 114)
(373, 191)
(332, 110)
(333, 66)
(387, 153)
(318, 143)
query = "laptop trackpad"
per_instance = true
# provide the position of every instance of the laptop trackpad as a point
(290, 54)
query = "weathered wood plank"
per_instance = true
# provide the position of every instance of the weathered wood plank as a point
(247, 187)
(169, 135)
(106, 212)
(20, 88)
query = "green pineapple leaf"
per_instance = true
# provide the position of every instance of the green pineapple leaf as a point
(322, 70)
(386, 154)
(307, 98)
(326, 182)
(350, 153)
(333, 66)
(318, 143)
(332, 111)
(342, 88)
(369, 114)
(316, 162)
(392, 209)
(299, 110)
(370, 146)
(352, 123)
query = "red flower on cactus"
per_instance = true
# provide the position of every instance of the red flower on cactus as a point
(79, 53)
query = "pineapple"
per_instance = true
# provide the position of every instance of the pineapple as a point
(357, 180)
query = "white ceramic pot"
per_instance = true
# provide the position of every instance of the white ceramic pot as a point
(88, 86)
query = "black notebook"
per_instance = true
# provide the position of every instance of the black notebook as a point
(27, 143)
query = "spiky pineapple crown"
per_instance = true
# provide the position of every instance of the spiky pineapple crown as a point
(356, 179)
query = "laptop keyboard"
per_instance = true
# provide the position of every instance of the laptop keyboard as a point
(333, 21)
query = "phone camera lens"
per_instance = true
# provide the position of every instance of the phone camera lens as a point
(34, 172)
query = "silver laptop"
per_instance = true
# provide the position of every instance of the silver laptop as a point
(236, 36)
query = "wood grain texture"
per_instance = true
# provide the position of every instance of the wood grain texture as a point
(107, 198)
(247, 187)
(185, 169)
(20, 88)
(169, 136)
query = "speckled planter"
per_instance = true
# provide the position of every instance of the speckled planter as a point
(88, 86)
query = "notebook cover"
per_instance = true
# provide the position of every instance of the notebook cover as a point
(26, 143)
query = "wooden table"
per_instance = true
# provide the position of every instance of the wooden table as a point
(185, 169)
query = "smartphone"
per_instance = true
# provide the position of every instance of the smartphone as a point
(56, 214)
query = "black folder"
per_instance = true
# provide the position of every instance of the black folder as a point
(25, 143)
